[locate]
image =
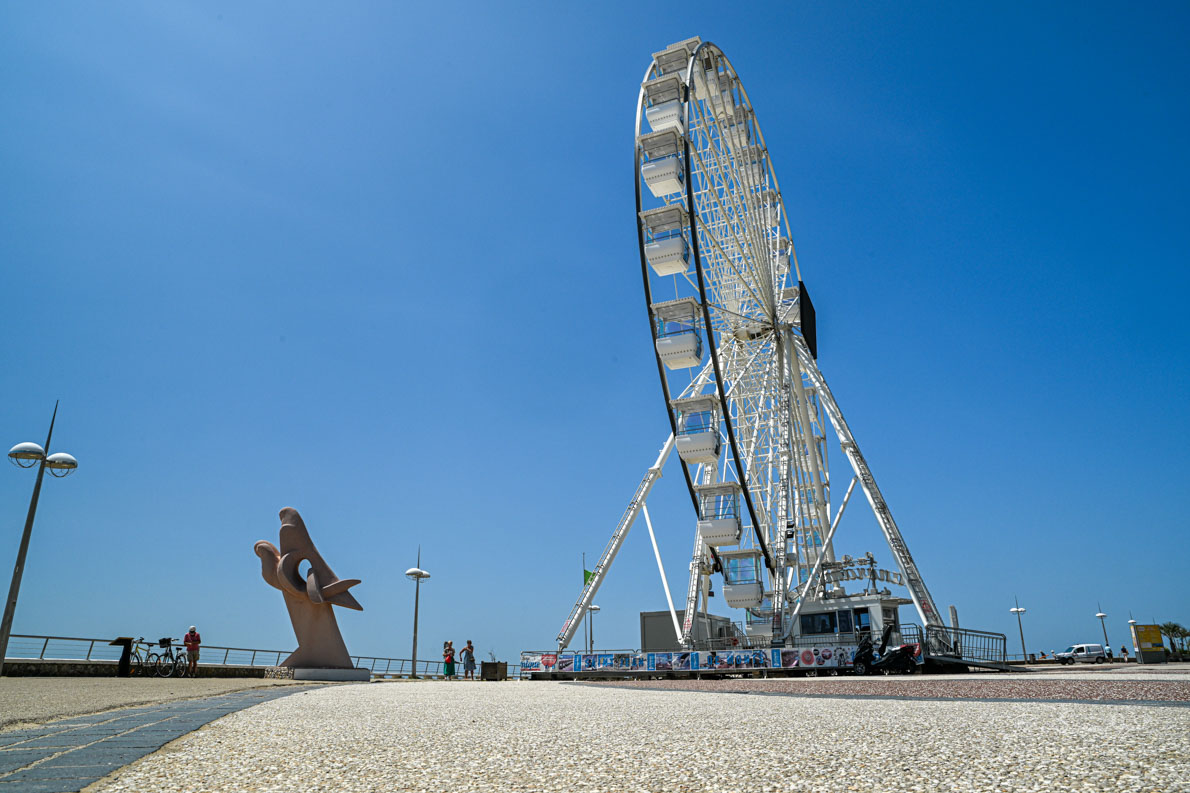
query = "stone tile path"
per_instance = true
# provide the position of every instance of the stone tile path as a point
(67, 755)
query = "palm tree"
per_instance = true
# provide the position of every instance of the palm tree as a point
(1173, 631)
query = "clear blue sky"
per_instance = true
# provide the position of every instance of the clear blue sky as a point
(378, 262)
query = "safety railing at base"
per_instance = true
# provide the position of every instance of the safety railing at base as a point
(23, 647)
(970, 645)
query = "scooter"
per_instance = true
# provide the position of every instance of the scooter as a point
(900, 660)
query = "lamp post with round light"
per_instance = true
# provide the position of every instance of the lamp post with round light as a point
(27, 455)
(416, 575)
(593, 610)
(1018, 611)
(1103, 625)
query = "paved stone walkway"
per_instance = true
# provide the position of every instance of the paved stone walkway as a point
(67, 755)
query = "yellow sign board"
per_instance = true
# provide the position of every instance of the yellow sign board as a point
(1147, 637)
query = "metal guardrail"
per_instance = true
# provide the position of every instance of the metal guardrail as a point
(971, 645)
(24, 647)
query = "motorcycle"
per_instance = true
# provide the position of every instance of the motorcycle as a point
(899, 660)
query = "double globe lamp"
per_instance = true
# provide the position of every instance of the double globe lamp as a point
(59, 464)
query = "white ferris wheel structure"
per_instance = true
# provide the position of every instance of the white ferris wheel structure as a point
(734, 337)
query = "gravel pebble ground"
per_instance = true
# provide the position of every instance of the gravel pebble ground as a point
(32, 700)
(556, 736)
(1049, 686)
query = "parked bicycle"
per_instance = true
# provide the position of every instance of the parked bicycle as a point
(143, 662)
(169, 663)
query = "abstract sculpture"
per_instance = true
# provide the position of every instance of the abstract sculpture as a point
(309, 599)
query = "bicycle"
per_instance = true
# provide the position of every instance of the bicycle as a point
(143, 663)
(169, 664)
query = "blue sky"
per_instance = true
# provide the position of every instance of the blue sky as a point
(378, 262)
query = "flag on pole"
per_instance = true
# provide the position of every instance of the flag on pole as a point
(587, 576)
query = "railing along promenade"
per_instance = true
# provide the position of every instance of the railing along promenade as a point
(26, 647)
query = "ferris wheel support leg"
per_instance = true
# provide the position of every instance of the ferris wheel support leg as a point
(692, 591)
(613, 546)
(644, 509)
(892, 535)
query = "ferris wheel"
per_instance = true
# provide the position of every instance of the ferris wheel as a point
(734, 337)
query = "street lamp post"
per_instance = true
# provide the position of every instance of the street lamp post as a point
(27, 455)
(1018, 611)
(1103, 625)
(416, 575)
(593, 610)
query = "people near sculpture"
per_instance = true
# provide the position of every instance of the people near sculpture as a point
(192, 640)
(448, 659)
(467, 656)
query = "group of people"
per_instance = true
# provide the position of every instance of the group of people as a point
(466, 658)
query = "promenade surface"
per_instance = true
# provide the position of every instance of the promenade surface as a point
(30, 700)
(434, 736)
(66, 755)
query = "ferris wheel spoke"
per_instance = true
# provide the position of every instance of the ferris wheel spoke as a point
(735, 215)
(746, 176)
(717, 246)
(748, 249)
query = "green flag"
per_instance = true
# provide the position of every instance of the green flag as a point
(587, 576)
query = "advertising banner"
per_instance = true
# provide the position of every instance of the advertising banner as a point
(1147, 637)
(824, 656)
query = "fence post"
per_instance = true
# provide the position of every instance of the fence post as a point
(278, 663)
(388, 666)
(253, 661)
(89, 649)
(226, 650)
(43, 646)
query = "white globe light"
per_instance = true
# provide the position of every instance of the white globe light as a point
(26, 455)
(61, 464)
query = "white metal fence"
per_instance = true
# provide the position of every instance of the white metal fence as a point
(23, 647)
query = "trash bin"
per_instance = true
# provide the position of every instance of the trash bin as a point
(493, 670)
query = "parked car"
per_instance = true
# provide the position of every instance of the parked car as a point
(1085, 653)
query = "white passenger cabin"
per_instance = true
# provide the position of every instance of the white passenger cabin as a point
(719, 513)
(743, 577)
(665, 103)
(667, 248)
(665, 95)
(663, 167)
(678, 332)
(698, 439)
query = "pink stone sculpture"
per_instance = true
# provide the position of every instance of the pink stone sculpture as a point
(320, 645)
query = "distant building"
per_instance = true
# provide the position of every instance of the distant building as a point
(657, 630)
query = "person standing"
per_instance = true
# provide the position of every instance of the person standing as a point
(1109, 655)
(192, 640)
(1124, 653)
(448, 660)
(467, 656)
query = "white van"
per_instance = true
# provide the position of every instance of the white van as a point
(1087, 653)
